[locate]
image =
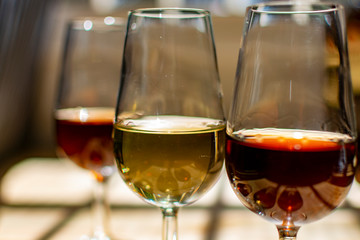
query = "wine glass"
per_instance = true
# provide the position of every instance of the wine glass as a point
(84, 113)
(169, 132)
(291, 131)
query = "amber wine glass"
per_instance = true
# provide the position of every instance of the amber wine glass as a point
(84, 113)
(169, 132)
(291, 131)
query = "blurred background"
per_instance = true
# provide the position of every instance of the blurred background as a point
(31, 45)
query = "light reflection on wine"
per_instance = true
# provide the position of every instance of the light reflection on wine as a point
(287, 186)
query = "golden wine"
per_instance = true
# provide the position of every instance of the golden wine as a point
(170, 161)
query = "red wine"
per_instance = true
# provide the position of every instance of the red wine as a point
(85, 137)
(289, 174)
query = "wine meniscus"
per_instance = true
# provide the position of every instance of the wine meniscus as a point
(290, 174)
(170, 160)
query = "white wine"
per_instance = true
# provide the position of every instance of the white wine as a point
(170, 161)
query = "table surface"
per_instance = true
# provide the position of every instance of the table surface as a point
(50, 199)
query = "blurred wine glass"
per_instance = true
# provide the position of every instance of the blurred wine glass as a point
(85, 107)
(291, 133)
(169, 132)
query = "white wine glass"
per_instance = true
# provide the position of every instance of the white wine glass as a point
(291, 131)
(169, 132)
(85, 108)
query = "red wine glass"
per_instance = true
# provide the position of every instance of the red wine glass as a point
(291, 131)
(84, 112)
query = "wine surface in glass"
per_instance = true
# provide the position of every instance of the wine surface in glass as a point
(84, 135)
(290, 176)
(170, 161)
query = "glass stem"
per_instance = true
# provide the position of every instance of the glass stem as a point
(100, 208)
(287, 233)
(170, 231)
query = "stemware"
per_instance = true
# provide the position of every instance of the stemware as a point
(169, 131)
(84, 112)
(291, 132)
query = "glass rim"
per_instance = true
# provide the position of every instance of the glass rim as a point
(169, 12)
(295, 7)
(93, 23)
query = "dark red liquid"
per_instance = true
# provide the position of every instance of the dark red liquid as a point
(89, 144)
(301, 180)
